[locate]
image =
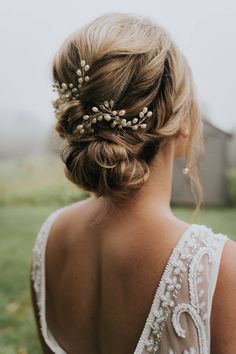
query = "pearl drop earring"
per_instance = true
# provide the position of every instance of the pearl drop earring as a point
(185, 170)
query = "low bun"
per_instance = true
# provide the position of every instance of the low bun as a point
(105, 166)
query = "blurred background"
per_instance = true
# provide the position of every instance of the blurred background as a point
(32, 182)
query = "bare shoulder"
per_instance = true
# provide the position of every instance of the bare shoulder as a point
(71, 219)
(70, 214)
(223, 304)
(71, 210)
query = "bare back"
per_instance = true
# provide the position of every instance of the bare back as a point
(102, 277)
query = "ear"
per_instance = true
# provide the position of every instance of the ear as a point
(182, 139)
(184, 128)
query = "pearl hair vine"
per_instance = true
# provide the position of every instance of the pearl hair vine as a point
(115, 118)
(105, 112)
(69, 92)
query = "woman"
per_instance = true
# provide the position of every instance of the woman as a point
(118, 272)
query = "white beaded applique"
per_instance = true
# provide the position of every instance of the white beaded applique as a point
(186, 257)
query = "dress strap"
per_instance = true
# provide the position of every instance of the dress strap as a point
(220, 241)
(38, 278)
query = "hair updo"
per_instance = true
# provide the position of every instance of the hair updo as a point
(136, 64)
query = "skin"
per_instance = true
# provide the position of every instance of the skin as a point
(103, 265)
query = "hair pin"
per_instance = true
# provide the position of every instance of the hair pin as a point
(69, 92)
(104, 112)
(115, 118)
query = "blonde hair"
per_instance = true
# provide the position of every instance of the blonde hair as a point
(135, 63)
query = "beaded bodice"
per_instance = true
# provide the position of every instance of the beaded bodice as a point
(179, 318)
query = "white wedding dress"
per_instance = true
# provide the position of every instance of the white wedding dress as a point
(179, 318)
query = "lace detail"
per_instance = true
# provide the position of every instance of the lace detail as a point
(197, 242)
(199, 325)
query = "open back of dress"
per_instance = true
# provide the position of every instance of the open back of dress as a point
(179, 318)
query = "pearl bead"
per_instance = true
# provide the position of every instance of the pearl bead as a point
(199, 280)
(134, 127)
(82, 63)
(170, 287)
(86, 78)
(80, 80)
(145, 110)
(94, 120)
(79, 72)
(85, 117)
(86, 68)
(135, 120)
(143, 125)
(141, 114)
(100, 118)
(107, 117)
(149, 113)
(95, 109)
(185, 170)
(122, 113)
(176, 271)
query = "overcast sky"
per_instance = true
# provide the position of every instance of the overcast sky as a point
(31, 32)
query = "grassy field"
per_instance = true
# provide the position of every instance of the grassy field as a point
(27, 195)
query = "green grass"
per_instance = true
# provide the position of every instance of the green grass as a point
(232, 186)
(219, 219)
(36, 181)
(19, 226)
